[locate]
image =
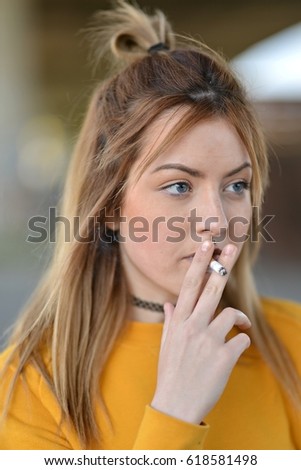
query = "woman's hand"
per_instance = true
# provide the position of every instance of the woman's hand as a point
(195, 361)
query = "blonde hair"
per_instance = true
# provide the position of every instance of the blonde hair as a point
(80, 306)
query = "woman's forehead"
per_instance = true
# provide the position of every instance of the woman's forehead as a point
(207, 137)
(209, 142)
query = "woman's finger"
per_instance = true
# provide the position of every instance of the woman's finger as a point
(235, 347)
(193, 280)
(225, 321)
(212, 291)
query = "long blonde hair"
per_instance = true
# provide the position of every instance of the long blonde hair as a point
(80, 306)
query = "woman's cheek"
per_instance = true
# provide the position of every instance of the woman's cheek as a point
(239, 225)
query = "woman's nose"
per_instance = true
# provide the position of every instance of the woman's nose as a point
(210, 217)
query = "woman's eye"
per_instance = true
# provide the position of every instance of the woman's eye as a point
(238, 187)
(178, 188)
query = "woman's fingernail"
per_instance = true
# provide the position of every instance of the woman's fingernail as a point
(206, 245)
(230, 250)
(245, 318)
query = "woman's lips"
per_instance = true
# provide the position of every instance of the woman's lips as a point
(213, 265)
(215, 255)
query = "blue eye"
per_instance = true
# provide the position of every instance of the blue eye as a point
(177, 189)
(239, 187)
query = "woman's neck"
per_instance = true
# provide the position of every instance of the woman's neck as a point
(145, 316)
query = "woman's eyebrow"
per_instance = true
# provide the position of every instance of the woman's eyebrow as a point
(179, 166)
(197, 173)
(239, 168)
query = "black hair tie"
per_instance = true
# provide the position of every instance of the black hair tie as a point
(160, 46)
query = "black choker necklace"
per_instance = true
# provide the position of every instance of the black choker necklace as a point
(153, 306)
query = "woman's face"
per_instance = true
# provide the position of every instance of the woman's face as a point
(197, 189)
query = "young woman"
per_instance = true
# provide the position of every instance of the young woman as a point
(134, 339)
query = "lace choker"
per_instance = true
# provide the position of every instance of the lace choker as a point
(153, 306)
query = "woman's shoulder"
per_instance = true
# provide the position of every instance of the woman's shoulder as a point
(10, 364)
(279, 310)
(284, 316)
(7, 355)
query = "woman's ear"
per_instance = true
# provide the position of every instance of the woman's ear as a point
(112, 222)
(110, 218)
(112, 226)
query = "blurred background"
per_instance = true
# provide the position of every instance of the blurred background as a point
(45, 82)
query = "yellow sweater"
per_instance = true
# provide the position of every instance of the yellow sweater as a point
(252, 413)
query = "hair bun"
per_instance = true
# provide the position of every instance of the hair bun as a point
(128, 32)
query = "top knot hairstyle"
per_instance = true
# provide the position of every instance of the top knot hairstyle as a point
(128, 33)
(80, 307)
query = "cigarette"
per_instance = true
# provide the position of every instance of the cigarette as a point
(217, 267)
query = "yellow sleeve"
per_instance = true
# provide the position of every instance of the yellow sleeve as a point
(160, 431)
(33, 417)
